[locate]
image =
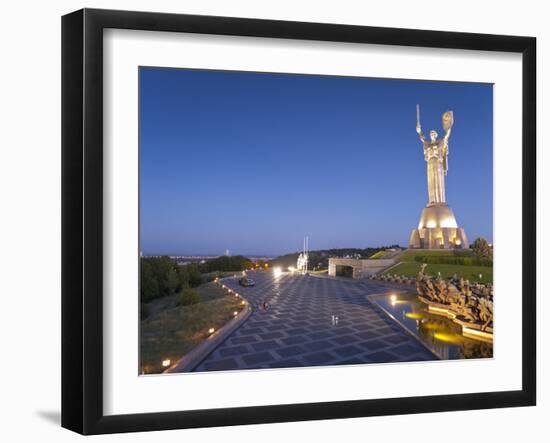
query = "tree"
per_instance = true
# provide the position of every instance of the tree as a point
(183, 277)
(172, 281)
(159, 277)
(194, 275)
(226, 264)
(481, 249)
(148, 283)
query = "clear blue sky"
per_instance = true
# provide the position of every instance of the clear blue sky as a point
(253, 162)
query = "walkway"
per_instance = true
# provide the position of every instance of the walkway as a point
(312, 321)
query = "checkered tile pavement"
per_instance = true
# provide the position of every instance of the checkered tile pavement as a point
(299, 327)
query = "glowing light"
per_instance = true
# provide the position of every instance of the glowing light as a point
(393, 299)
(447, 338)
(211, 330)
(165, 363)
(413, 315)
(235, 313)
(291, 268)
(243, 302)
(448, 222)
(277, 272)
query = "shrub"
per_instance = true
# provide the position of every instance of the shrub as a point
(464, 261)
(188, 296)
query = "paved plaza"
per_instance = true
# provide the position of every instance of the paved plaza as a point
(312, 321)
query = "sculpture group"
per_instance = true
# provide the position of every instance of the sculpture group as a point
(393, 278)
(467, 304)
(470, 305)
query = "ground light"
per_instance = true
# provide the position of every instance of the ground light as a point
(414, 315)
(165, 363)
(277, 272)
(447, 338)
(211, 330)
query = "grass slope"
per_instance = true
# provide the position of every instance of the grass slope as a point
(467, 272)
(410, 267)
(378, 255)
(171, 331)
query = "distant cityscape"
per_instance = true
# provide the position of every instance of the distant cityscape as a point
(188, 259)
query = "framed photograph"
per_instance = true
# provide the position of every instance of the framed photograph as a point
(269, 221)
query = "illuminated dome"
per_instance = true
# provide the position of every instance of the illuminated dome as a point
(438, 229)
(437, 216)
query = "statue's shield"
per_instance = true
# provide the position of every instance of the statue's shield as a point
(448, 120)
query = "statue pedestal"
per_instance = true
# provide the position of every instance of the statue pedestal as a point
(438, 230)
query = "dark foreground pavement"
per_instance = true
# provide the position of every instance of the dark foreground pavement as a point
(299, 327)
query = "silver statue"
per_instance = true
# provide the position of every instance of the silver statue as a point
(436, 151)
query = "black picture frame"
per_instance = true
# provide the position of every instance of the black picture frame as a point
(82, 218)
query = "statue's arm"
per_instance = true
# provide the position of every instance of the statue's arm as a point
(446, 151)
(420, 133)
(447, 135)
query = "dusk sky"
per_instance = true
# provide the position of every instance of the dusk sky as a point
(253, 162)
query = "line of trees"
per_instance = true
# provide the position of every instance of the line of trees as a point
(464, 261)
(162, 276)
(226, 264)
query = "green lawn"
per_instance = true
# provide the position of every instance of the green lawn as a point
(172, 331)
(467, 272)
(378, 255)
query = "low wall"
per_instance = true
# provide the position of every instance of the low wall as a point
(361, 267)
